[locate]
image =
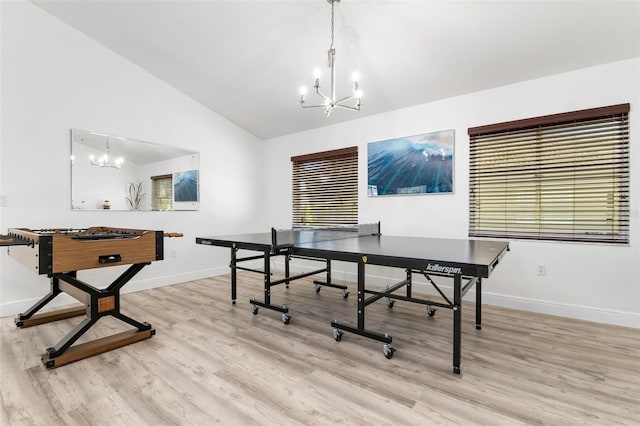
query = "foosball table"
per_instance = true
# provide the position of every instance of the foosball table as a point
(60, 254)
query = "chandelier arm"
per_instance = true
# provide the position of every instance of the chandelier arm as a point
(327, 112)
(314, 106)
(325, 97)
(345, 99)
(352, 108)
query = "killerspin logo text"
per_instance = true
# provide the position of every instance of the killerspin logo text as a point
(443, 269)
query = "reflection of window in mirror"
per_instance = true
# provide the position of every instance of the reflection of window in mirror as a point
(161, 192)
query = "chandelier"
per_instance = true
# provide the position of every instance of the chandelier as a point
(104, 160)
(329, 102)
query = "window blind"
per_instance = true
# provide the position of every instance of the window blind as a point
(161, 192)
(558, 177)
(325, 188)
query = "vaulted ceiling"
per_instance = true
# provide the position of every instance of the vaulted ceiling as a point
(247, 59)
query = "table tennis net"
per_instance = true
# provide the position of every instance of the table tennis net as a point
(292, 237)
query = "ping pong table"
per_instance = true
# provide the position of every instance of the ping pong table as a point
(466, 262)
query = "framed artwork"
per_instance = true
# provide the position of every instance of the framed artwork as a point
(420, 164)
(185, 186)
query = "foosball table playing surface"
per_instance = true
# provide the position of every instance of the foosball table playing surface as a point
(60, 253)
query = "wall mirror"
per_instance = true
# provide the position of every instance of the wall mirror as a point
(118, 173)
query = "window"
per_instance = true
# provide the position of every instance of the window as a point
(325, 188)
(161, 192)
(559, 177)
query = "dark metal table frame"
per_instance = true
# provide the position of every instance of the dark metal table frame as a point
(269, 251)
(461, 285)
(464, 278)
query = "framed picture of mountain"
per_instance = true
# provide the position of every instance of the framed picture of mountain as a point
(420, 164)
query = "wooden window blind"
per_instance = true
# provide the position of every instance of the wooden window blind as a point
(161, 192)
(325, 188)
(558, 177)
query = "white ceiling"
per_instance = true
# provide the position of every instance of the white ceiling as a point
(247, 59)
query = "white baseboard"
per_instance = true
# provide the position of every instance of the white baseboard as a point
(587, 313)
(19, 306)
(174, 279)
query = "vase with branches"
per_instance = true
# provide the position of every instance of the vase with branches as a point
(135, 196)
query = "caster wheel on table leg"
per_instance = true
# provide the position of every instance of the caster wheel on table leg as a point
(390, 303)
(345, 294)
(318, 287)
(431, 311)
(254, 309)
(286, 318)
(337, 334)
(388, 350)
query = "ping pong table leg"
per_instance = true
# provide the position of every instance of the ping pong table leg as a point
(479, 304)
(360, 330)
(267, 278)
(457, 322)
(255, 304)
(361, 304)
(234, 275)
(287, 260)
(327, 283)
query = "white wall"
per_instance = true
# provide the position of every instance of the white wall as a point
(53, 79)
(594, 282)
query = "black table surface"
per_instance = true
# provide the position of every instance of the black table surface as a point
(474, 252)
(416, 249)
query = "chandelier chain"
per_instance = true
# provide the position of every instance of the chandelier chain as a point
(332, 5)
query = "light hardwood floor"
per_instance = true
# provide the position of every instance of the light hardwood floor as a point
(214, 362)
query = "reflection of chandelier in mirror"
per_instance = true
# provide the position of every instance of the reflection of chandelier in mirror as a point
(103, 161)
(329, 102)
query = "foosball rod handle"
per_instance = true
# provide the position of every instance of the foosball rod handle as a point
(173, 234)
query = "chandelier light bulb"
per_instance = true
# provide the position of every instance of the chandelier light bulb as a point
(303, 90)
(355, 76)
(317, 73)
(357, 93)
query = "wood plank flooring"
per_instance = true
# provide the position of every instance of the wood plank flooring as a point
(214, 362)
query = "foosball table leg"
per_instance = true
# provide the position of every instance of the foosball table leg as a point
(95, 347)
(31, 318)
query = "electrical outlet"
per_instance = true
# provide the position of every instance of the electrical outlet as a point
(173, 254)
(541, 269)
